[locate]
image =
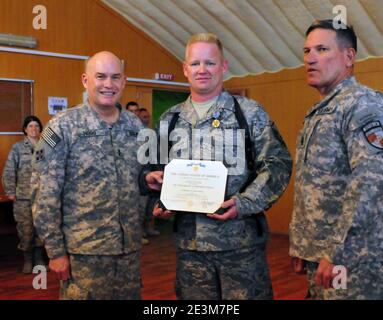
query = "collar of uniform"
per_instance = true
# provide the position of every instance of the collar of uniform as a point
(223, 106)
(187, 112)
(349, 81)
(222, 109)
(101, 122)
(27, 142)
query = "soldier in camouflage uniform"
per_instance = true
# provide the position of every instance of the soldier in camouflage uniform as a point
(85, 190)
(338, 203)
(223, 256)
(17, 186)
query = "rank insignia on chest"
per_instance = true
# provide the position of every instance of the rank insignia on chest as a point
(39, 154)
(216, 123)
(373, 132)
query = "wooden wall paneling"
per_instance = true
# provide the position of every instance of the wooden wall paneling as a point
(75, 27)
(144, 99)
(142, 55)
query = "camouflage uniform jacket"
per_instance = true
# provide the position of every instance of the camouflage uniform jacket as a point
(272, 170)
(85, 184)
(338, 203)
(18, 170)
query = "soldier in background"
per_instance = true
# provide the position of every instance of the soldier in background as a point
(133, 107)
(338, 203)
(17, 186)
(144, 115)
(147, 203)
(85, 190)
(223, 256)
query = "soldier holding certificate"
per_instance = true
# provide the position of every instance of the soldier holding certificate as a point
(222, 255)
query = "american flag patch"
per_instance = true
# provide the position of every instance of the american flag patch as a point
(50, 137)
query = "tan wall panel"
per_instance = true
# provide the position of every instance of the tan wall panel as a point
(286, 97)
(85, 27)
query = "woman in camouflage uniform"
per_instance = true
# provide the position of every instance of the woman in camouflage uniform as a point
(16, 181)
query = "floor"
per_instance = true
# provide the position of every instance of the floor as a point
(158, 270)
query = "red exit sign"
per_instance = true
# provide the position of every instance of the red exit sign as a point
(164, 76)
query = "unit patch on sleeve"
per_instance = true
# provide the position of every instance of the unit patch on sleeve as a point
(50, 137)
(373, 131)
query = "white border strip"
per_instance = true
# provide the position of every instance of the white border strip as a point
(182, 84)
(12, 133)
(44, 53)
(16, 80)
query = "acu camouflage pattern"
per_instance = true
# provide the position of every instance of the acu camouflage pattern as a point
(226, 259)
(103, 278)
(359, 284)
(18, 170)
(243, 275)
(273, 168)
(26, 232)
(17, 181)
(338, 203)
(85, 188)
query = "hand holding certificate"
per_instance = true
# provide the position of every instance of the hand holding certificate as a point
(194, 186)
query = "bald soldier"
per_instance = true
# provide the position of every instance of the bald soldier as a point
(85, 190)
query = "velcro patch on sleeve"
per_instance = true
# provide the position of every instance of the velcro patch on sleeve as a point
(50, 137)
(373, 132)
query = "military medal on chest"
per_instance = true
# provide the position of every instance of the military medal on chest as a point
(216, 122)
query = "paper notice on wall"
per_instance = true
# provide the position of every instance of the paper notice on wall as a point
(57, 104)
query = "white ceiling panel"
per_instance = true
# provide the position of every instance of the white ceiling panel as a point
(258, 35)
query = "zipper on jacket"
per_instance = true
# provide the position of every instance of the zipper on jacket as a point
(118, 182)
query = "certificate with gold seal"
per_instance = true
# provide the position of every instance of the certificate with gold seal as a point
(194, 185)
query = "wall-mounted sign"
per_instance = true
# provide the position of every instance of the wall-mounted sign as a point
(164, 76)
(57, 104)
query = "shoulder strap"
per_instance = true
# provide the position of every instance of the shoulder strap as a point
(173, 122)
(171, 127)
(249, 148)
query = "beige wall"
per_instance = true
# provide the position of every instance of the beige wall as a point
(286, 97)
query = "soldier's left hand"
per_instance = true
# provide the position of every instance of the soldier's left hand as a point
(324, 274)
(154, 180)
(230, 213)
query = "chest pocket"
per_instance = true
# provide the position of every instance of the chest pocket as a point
(127, 145)
(322, 145)
(89, 151)
(225, 144)
(26, 158)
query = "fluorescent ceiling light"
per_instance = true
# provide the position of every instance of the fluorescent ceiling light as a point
(8, 39)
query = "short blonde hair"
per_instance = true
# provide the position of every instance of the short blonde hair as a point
(204, 37)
